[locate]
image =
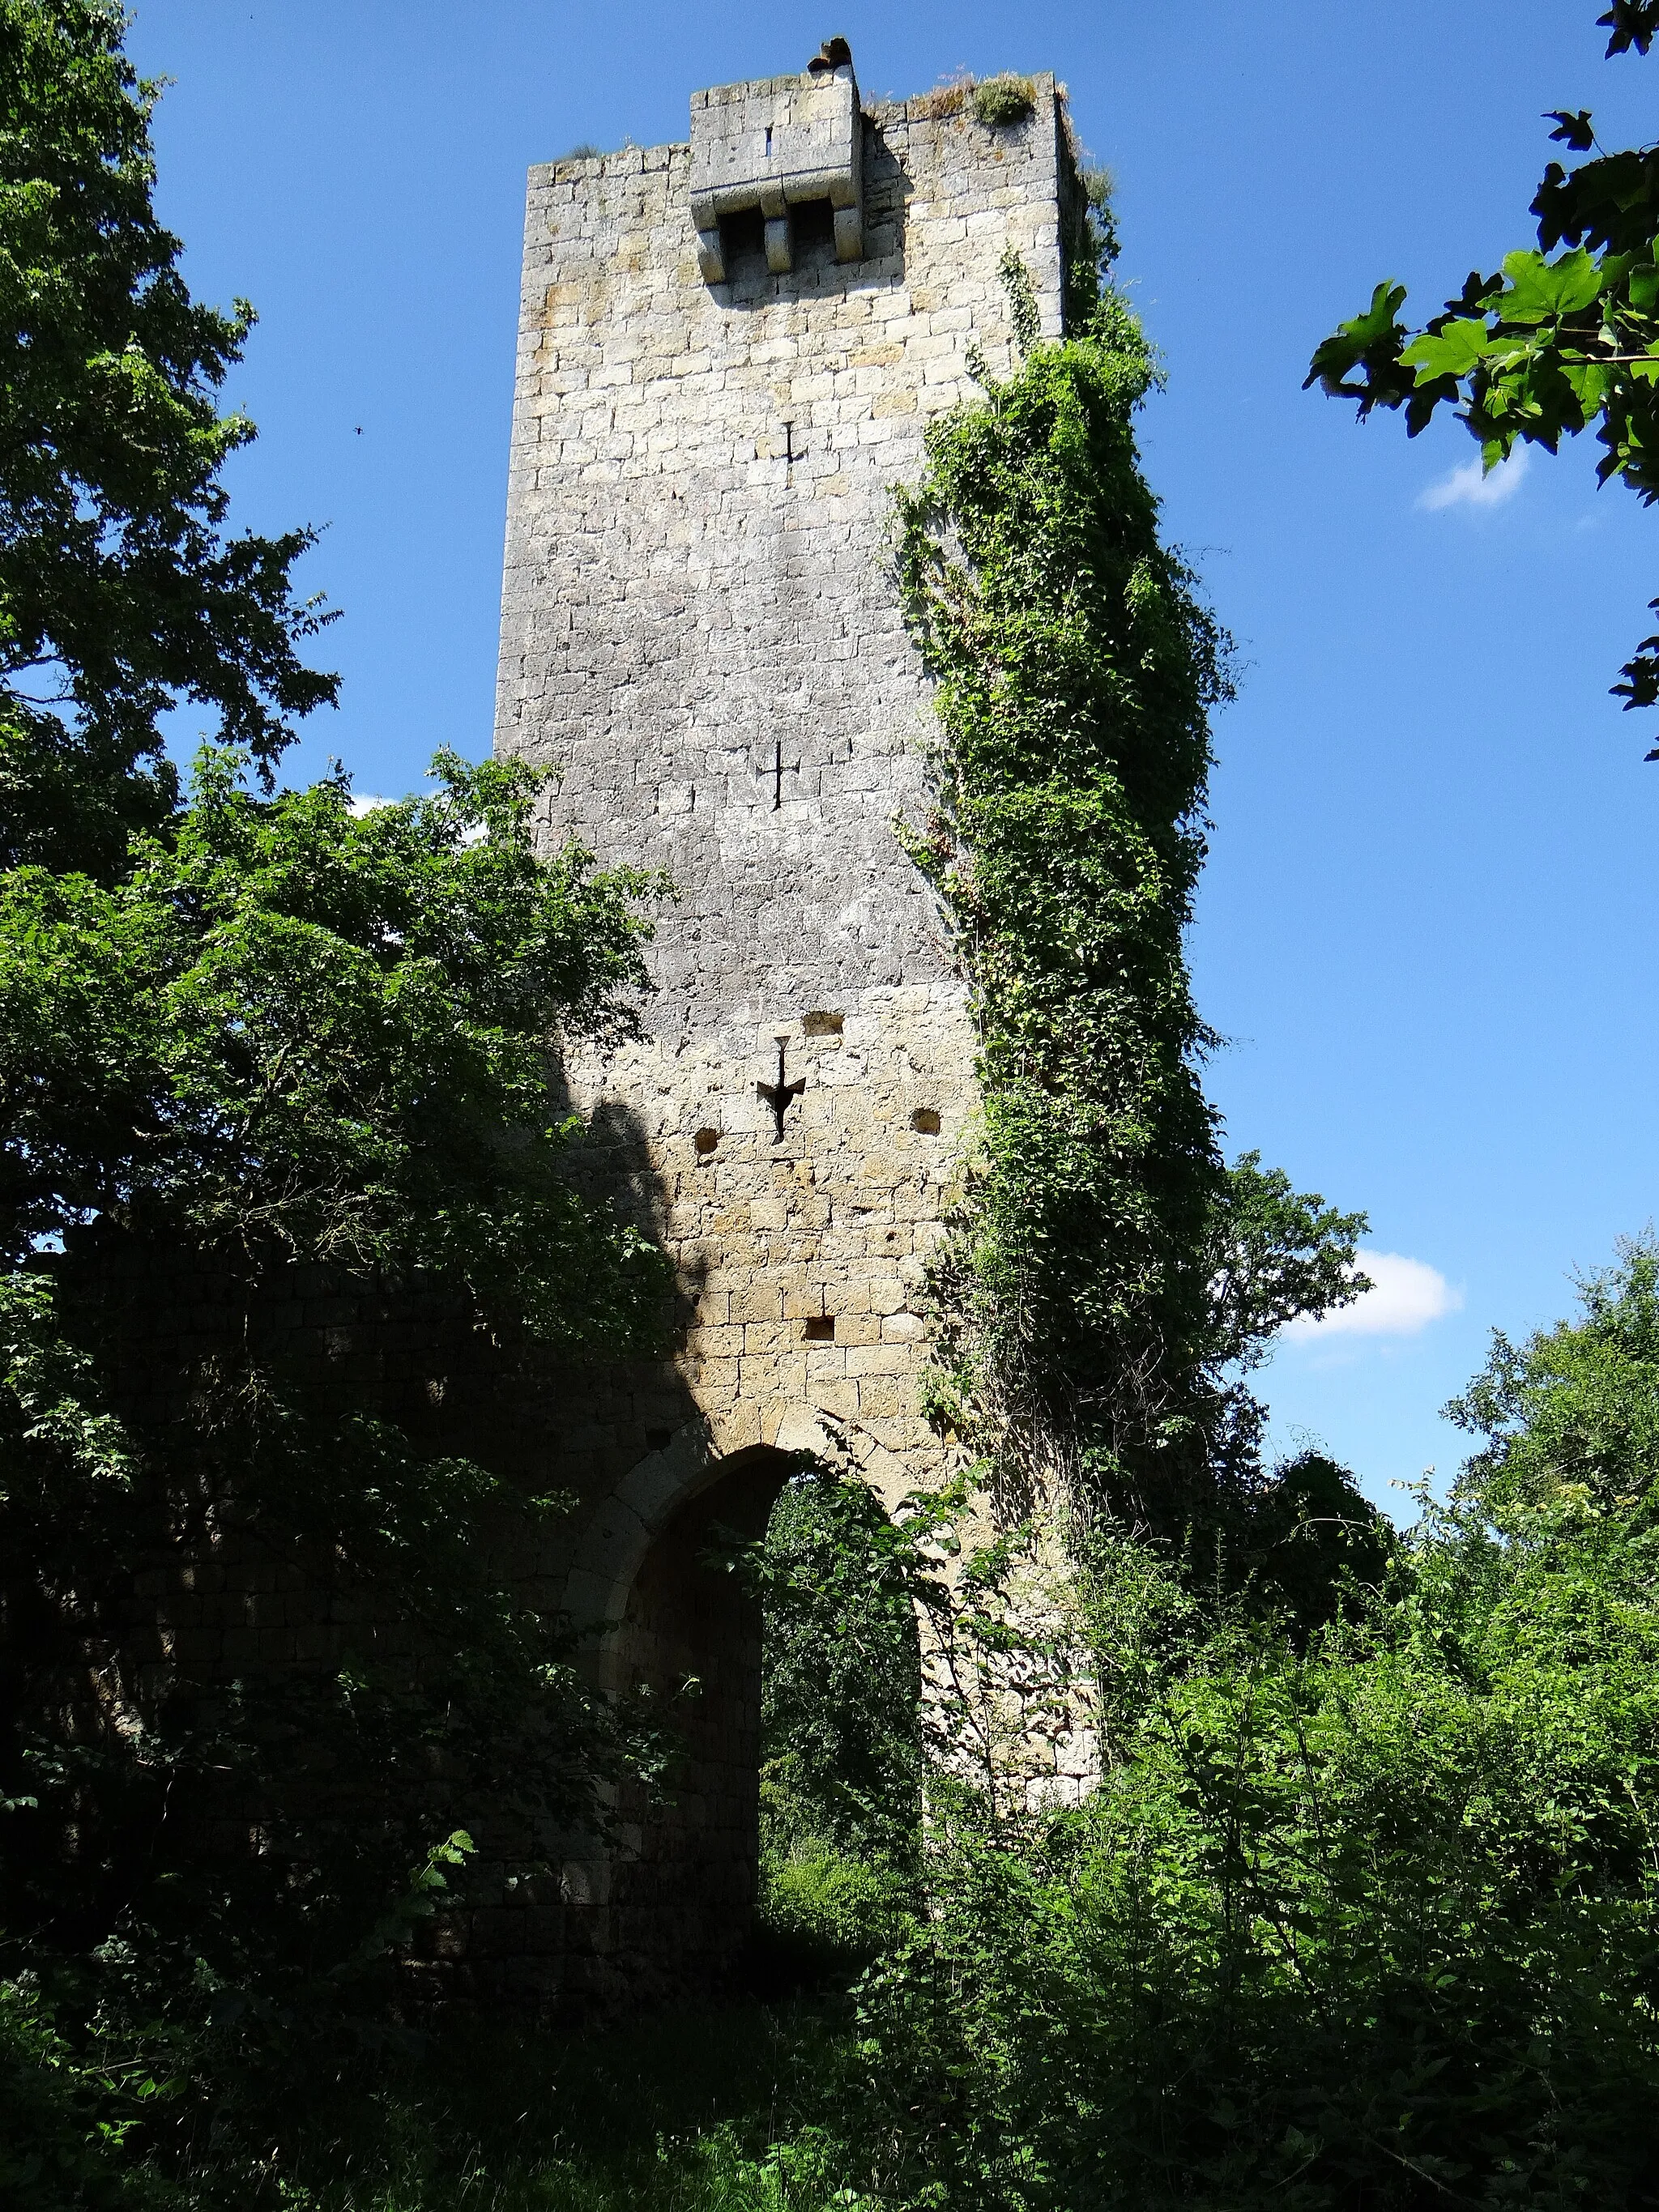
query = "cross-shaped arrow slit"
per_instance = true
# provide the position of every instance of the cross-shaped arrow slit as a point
(778, 1095)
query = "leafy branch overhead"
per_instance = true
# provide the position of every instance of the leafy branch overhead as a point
(1561, 340)
(121, 592)
(1633, 23)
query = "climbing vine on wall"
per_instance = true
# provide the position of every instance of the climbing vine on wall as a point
(1075, 664)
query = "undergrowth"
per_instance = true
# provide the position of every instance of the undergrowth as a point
(718, 2111)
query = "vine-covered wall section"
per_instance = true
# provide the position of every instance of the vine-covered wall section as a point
(1075, 665)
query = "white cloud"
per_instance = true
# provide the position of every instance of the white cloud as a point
(1404, 1297)
(1472, 485)
(365, 802)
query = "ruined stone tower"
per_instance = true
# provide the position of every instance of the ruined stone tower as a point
(729, 352)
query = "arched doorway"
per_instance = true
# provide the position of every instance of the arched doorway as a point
(689, 1641)
(674, 1899)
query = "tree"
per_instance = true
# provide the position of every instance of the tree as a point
(292, 1035)
(120, 592)
(1569, 1418)
(243, 1034)
(1545, 349)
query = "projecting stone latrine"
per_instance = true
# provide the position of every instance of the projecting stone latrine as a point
(729, 353)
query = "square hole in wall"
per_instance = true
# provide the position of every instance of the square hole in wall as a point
(743, 240)
(926, 1118)
(659, 1439)
(705, 1140)
(813, 230)
(820, 1329)
(822, 1024)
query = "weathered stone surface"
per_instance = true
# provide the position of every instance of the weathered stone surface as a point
(765, 148)
(701, 634)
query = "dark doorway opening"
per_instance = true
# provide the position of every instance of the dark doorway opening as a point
(772, 1625)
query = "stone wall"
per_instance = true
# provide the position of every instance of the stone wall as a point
(700, 635)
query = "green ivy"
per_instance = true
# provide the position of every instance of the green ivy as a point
(1075, 665)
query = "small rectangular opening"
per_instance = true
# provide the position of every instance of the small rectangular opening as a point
(815, 227)
(659, 1439)
(743, 237)
(822, 1024)
(820, 1329)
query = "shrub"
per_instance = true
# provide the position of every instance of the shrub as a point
(1004, 100)
(1368, 1925)
(823, 1914)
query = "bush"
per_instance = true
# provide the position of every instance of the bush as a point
(825, 1917)
(1338, 1930)
(65, 2122)
(1004, 100)
(1370, 1924)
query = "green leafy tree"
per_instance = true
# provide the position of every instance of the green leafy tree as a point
(291, 1036)
(1571, 1416)
(1555, 343)
(120, 592)
(254, 1048)
(295, 1050)
(293, 1032)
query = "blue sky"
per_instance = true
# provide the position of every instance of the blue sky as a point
(1427, 926)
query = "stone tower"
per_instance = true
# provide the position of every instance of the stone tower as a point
(729, 353)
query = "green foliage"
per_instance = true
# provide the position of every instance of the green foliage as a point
(1075, 666)
(715, 2111)
(1307, 1548)
(841, 1753)
(841, 1681)
(999, 101)
(291, 1036)
(60, 2142)
(1571, 1418)
(1366, 1919)
(1092, 248)
(1544, 348)
(254, 1051)
(824, 1916)
(294, 1032)
(119, 592)
(1273, 1253)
